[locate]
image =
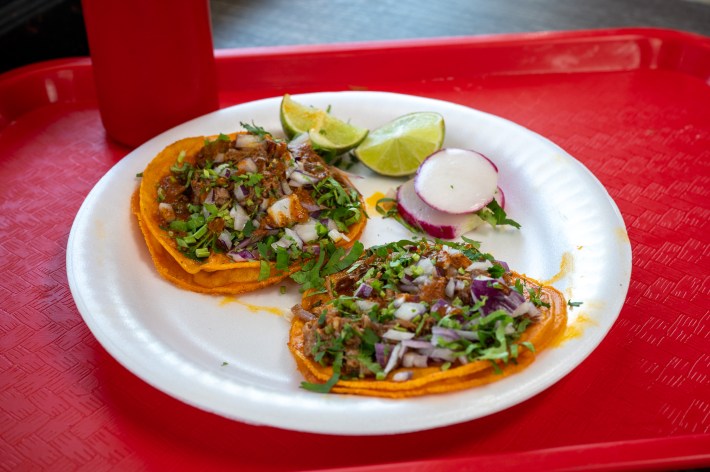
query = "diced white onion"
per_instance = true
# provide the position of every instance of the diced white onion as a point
(408, 310)
(397, 335)
(479, 265)
(280, 211)
(240, 217)
(166, 212)
(226, 238)
(285, 188)
(443, 353)
(248, 165)
(294, 237)
(364, 305)
(412, 359)
(402, 376)
(427, 266)
(449, 290)
(336, 236)
(246, 140)
(307, 231)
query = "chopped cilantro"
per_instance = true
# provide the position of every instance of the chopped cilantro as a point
(254, 129)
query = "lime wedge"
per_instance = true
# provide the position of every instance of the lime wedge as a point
(325, 131)
(398, 147)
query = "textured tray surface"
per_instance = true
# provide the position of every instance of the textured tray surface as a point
(640, 121)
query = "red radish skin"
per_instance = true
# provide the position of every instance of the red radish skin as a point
(456, 181)
(500, 197)
(432, 221)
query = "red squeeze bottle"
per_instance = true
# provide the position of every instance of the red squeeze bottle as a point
(153, 64)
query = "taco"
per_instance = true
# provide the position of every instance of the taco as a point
(233, 213)
(415, 318)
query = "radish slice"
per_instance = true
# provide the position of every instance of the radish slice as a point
(499, 197)
(456, 181)
(432, 221)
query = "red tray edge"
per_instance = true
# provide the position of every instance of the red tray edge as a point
(70, 80)
(679, 452)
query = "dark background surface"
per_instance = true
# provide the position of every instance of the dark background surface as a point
(36, 30)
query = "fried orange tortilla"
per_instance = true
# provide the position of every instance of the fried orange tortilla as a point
(217, 273)
(549, 323)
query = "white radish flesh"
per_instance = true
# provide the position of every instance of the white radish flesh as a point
(432, 221)
(456, 181)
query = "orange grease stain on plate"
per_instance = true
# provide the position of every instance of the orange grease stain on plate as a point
(372, 199)
(566, 266)
(622, 235)
(574, 330)
(251, 307)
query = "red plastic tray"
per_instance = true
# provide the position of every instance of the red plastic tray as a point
(632, 105)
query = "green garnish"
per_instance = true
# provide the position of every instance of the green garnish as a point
(254, 129)
(494, 215)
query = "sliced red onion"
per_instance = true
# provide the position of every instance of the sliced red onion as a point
(310, 207)
(483, 286)
(408, 288)
(210, 197)
(243, 255)
(398, 301)
(247, 254)
(443, 354)
(330, 224)
(299, 179)
(244, 243)
(289, 169)
(241, 192)
(442, 334)
(382, 351)
(408, 310)
(392, 362)
(463, 360)
(240, 217)
(504, 264)
(297, 141)
(440, 303)
(397, 335)
(470, 335)
(497, 299)
(225, 238)
(363, 291)
(526, 308)
(417, 344)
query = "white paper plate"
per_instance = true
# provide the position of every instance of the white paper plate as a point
(229, 356)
